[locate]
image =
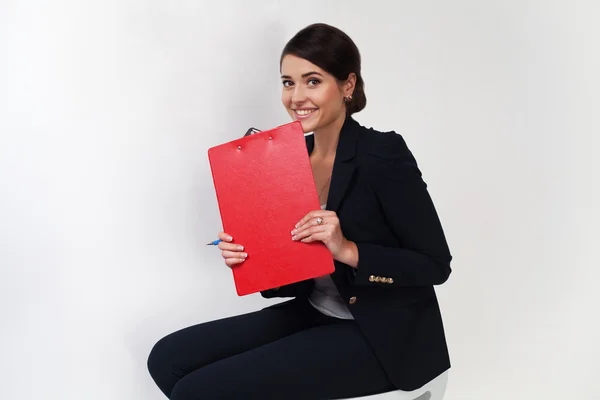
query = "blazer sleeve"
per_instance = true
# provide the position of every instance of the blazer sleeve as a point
(422, 257)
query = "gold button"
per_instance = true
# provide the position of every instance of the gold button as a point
(390, 280)
(352, 300)
(372, 278)
(384, 280)
(377, 279)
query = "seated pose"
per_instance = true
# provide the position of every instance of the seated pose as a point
(372, 326)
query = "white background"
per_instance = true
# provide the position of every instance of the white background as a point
(107, 109)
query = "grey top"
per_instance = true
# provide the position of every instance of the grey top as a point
(326, 298)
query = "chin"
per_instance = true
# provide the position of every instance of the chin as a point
(309, 126)
(306, 127)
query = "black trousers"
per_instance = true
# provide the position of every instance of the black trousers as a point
(288, 352)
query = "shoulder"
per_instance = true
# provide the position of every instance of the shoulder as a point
(385, 149)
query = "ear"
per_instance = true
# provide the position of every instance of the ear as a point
(349, 84)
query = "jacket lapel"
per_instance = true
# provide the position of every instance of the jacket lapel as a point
(343, 167)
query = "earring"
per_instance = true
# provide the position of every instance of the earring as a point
(348, 98)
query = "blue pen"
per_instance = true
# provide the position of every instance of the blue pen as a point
(214, 242)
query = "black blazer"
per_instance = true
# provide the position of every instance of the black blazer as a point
(384, 207)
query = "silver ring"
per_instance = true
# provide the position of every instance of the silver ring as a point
(319, 220)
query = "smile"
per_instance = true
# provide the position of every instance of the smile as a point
(301, 114)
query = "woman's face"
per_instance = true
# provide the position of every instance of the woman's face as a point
(311, 95)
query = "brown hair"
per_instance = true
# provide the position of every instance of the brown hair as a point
(332, 50)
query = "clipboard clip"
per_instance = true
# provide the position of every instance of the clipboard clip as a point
(251, 131)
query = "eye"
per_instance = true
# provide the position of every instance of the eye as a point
(287, 83)
(313, 82)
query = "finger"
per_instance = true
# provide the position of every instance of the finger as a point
(230, 246)
(303, 220)
(313, 222)
(314, 214)
(234, 254)
(230, 262)
(225, 237)
(307, 232)
(316, 237)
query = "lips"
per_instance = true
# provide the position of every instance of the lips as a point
(304, 113)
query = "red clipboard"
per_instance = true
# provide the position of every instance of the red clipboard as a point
(264, 186)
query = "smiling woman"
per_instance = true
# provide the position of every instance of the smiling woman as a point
(372, 326)
(321, 77)
(312, 96)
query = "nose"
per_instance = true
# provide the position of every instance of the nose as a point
(299, 95)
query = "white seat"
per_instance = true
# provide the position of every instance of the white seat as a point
(433, 390)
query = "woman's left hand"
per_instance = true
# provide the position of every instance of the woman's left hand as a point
(324, 226)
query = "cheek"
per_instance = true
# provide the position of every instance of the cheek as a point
(286, 98)
(328, 99)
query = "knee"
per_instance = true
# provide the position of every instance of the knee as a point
(160, 366)
(156, 358)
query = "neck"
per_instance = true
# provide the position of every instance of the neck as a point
(327, 138)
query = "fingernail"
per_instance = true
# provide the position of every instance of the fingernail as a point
(293, 237)
(293, 232)
(240, 248)
(296, 226)
(244, 255)
(229, 238)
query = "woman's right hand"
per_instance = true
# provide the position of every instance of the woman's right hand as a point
(231, 252)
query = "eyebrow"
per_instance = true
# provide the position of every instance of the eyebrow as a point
(303, 75)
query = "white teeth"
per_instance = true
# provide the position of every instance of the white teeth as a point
(304, 112)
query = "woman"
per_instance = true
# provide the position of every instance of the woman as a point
(372, 326)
